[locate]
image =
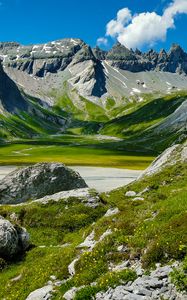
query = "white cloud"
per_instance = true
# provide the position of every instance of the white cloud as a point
(116, 26)
(145, 28)
(102, 41)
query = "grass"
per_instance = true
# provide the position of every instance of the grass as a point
(29, 153)
(50, 225)
(137, 125)
(143, 116)
(154, 230)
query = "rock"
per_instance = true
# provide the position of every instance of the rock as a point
(8, 238)
(165, 159)
(130, 194)
(88, 197)
(38, 181)
(149, 287)
(138, 199)
(105, 234)
(120, 248)
(53, 277)
(162, 272)
(13, 239)
(111, 212)
(41, 294)
(121, 266)
(11, 98)
(71, 267)
(70, 295)
(17, 278)
(89, 242)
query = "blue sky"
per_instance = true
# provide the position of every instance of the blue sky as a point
(38, 21)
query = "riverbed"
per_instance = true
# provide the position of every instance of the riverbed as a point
(102, 179)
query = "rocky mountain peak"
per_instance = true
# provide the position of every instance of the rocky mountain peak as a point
(176, 53)
(120, 52)
(9, 45)
(99, 53)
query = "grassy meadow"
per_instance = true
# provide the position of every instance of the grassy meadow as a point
(83, 150)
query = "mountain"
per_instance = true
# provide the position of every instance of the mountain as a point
(24, 116)
(93, 73)
(74, 86)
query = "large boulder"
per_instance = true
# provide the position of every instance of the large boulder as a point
(37, 181)
(13, 239)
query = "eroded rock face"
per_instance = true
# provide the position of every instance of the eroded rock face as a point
(172, 155)
(38, 181)
(13, 239)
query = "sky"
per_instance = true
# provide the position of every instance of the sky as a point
(139, 24)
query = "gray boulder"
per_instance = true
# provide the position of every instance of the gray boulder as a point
(13, 239)
(40, 294)
(37, 181)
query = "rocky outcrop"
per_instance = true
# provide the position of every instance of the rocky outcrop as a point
(155, 286)
(42, 293)
(172, 155)
(175, 61)
(52, 57)
(11, 99)
(13, 239)
(40, 59)
(88, 197)
(42, 70)
(38, 181)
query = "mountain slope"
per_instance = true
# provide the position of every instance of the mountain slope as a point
(23, 116)
(93, 73)
(102, 250)
(137, 96)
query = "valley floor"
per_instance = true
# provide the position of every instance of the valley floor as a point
(82, 155)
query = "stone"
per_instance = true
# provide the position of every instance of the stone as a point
(38, 181)
(154, 286)
(130, 194)
(17, 278)
(53, 277)
(88, 197)
(43, 293)
(111, 212)
(105, 234)
(120, 248)
(71, 267)
(13, 239)
(143, 292)
(165, 159)
(70, 295)
(89, 242)
(121, 266)
(138, 199)
(8, 238)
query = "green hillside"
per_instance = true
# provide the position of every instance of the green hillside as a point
(153, 229)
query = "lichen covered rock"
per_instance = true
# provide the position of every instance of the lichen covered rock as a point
(38, 181)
